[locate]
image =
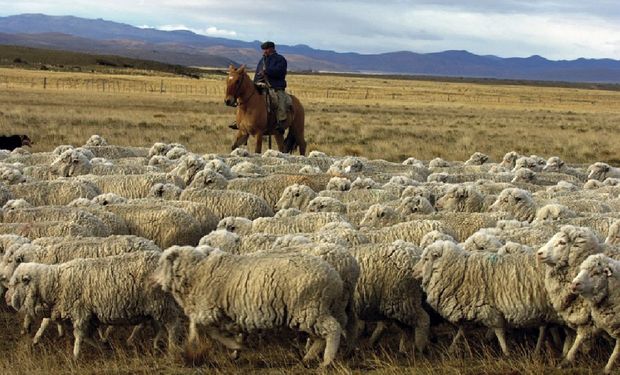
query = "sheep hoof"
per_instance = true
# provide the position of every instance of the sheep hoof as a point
(564, 364)
(234, 355)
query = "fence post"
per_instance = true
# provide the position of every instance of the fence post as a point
(44, 83)
(161, 87)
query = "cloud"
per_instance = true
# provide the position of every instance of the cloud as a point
(210, 31)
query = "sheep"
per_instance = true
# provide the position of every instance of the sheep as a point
(306, 222)
(114, 290)
(203, 214)
(562, 255)
(272, 187)
(410, 231)
(346, 165)
(434, 236)
(438, 163)
(597, 282)
(239, 225)
(364, 183)
(11, 175)
(516, 202)
(338, 184)
(482, 242)
(165, 225)
(131, 186)
(176, 152)
(514, 248)
(387, 292)
(229, 203)
(555, 164)
(554, 211)
(326, 204)
(461, 198)
(188, 166)
(308, 169)
(96, 140)
(165, 191)
(159, 149)
(477, 158)
(78, 216)
(287, 212)
(220, 167)
(223, 240)
(600, 171)
(240, 152)
(414, 205)
(613, 235)
(117, 152)
(339, 232)
(296, 196)
(300, 292)
(513, 296)
(360, 199)
(380, 215)
(527, 163)
(56, 192)
(248, 169)
(207, 178)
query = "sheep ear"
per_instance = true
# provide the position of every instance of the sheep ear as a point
(19, 259)
(608, 272)
(518, 198)
(26, 279)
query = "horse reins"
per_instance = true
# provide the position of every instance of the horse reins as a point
(236, 96)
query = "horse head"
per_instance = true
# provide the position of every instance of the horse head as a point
(234, 84)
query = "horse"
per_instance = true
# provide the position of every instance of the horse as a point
(253, 118)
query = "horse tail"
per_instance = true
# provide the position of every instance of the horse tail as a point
(295, 136)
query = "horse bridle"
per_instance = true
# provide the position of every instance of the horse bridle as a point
(236, 95)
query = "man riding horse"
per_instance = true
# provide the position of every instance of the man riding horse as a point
(271, 75)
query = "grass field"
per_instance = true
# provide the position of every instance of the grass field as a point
(374, 117)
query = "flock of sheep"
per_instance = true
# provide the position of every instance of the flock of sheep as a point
(228, 246)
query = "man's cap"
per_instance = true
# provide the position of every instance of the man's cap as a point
(267, 45)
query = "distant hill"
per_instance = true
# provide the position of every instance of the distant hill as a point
(44, 59)
(187, 48)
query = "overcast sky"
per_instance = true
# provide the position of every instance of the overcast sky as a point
(555, 29)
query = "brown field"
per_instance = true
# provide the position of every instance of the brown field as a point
(373, 117)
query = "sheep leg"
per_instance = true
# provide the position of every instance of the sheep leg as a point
(612, 357)
(104, 335)
(568, 341)
(60, 329)
(422, 331)
(229, 343)
(134, 332)
(570, 357)
(455, 340)
(377, 333)
(26, 324)
(192, 336)
(80, 329)
(555, 336)
(44, 324)
(541, 338)
(501, 337)
(314, 350)
(331, 332)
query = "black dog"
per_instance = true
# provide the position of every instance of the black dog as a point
(11, 142)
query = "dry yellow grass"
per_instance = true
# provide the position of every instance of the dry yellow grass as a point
(374, 117)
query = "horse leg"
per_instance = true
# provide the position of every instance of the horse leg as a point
(280, 141)
(241, 139)
(259, 143)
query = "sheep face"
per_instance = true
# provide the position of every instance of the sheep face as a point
(238, 225)
(478, 158)
(509, 160)
(460, 199)
(208, 179)
(598, 171)
(71, 163)
(338, 184)
(295, 196)
(174, 267)
(165, 191)
(415, 205)
(378, 215)
(482, 242)
(96, 140)
(222, 239)
(592, 281)
(568, 246)
(326, 204)
(553, 212)
(423, 270)
(21, 293)
(434, 236)
(516, 202)
(364, 183)
(554, 164)
(613, 236)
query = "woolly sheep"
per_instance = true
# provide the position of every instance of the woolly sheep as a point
(220, 167)
(240, 152)
(379, 215)
(597, 281)
(438, 163)
(208, 179)
(165, 191)
(613, 236)
(176, 152)
(78, 216)
(482, 242)
(306, 222)
(410, 231)
(346, 165)
(554, 211)
(248, 169)
(117, 290)
(414, 205)
(461, 199)
(159, 149)
(600, 171)
(516, 202)
(296, 196)
(298, 291)
(229, 203)
(131, 186)
(188, 166)
(434, 236)
(514, 294)
(339, 184)
(287, 212)
(223, 240)
(364, 183)
(326, 204)
(116, 152)
(387, 292)
(56, 192)
(477, 158)
(309, 169)
(96, 140)
(239, 225)
(562, 255)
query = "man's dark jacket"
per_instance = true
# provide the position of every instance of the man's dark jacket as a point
(275, 70)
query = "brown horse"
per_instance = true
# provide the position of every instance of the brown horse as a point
(253, 118)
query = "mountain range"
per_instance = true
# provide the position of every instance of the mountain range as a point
(190, 49)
